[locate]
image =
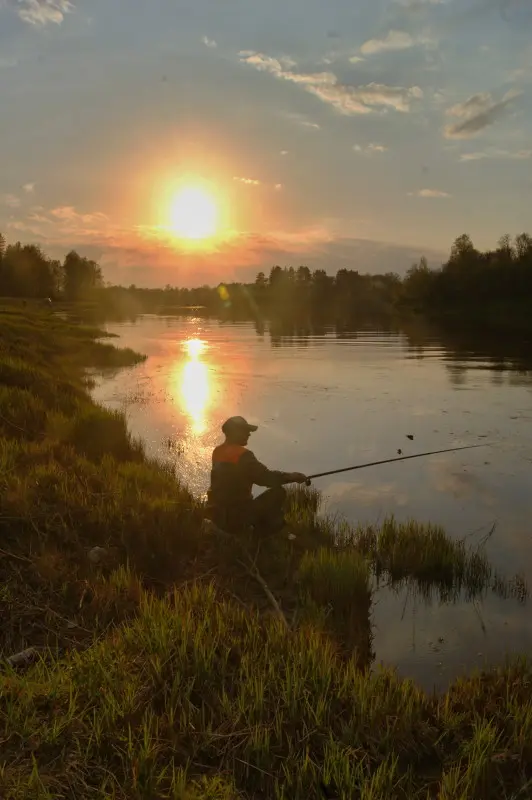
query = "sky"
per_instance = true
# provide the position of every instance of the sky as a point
(357, 134)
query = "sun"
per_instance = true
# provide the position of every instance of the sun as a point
(194, 214)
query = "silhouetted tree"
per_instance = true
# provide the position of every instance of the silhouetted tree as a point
(82, 276)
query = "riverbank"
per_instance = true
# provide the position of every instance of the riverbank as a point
(167, 668)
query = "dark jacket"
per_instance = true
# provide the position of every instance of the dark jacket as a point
(235, 470)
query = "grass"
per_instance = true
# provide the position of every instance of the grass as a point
(426, 558)
(196, 686)
(162, 671)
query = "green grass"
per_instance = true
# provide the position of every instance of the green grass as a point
(425, 558)
(163, 671)
(196, 685)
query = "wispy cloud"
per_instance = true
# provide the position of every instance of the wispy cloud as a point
(430, 194)
(69, 215)
(371, 149)
(209, 42)
(300, 119)
(10, 200)
(247, 181)
(29, 188)
(519, 155)
(477, 113)
(345, 98)
(41, 12)
(356, 59)
(395, 40)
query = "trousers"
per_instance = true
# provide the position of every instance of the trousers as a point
(265, 513)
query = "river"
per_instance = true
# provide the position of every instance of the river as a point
(333, 399)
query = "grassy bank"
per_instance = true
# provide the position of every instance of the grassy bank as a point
(181, 665)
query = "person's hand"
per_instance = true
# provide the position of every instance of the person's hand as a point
(297, 477)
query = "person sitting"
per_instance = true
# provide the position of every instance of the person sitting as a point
(235, 470)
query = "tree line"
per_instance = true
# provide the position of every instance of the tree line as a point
(475, 282)
(26, 271)
(495, 285)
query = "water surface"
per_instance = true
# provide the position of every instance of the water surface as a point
(336, 399)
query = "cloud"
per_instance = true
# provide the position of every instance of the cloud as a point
(382, 493)
(284, 152)
(477, 113)
(248, 181)
(209, 42)
(29, 188)
(395, 40)
(429, 193)
(10, 200)
(300, 119)
(151, 256)
(520, 155)
(278, 187)
(355, 59)
(371, 149)
(347, 99)
(40, 12)
(463, 485)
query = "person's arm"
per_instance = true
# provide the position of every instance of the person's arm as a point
(262, 476)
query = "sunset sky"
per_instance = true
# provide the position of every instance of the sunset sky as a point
(195, 141)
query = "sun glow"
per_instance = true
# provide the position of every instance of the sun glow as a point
(194, 214)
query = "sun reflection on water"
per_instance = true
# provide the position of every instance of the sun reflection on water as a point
(195, 385)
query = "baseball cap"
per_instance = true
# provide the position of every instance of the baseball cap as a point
(238, 423)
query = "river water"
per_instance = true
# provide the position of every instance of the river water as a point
(339, 398)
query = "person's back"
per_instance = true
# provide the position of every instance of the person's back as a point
(231, 481)
(235, 470)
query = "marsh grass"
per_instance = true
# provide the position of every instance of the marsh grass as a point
(162, 672)
(426, 558)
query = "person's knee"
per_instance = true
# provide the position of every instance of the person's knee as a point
(280, 493)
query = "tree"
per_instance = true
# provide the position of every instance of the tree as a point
(303, 275)
(27, 272)
(523, 246)
(82, 276)
(2, 253)
(505, 251)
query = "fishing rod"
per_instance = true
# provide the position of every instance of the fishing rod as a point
(391, 460)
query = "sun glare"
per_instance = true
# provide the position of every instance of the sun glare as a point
(195, 389)
(194, 347)
(194, 214)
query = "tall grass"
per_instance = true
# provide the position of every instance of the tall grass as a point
(425, 557)
(336, 585)
(196, 686)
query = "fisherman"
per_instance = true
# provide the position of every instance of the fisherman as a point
(235, 470)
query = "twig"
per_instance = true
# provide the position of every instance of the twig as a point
(253, 571)
(482, 625)
(488, 535)
(18, 428)
(18, 558)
